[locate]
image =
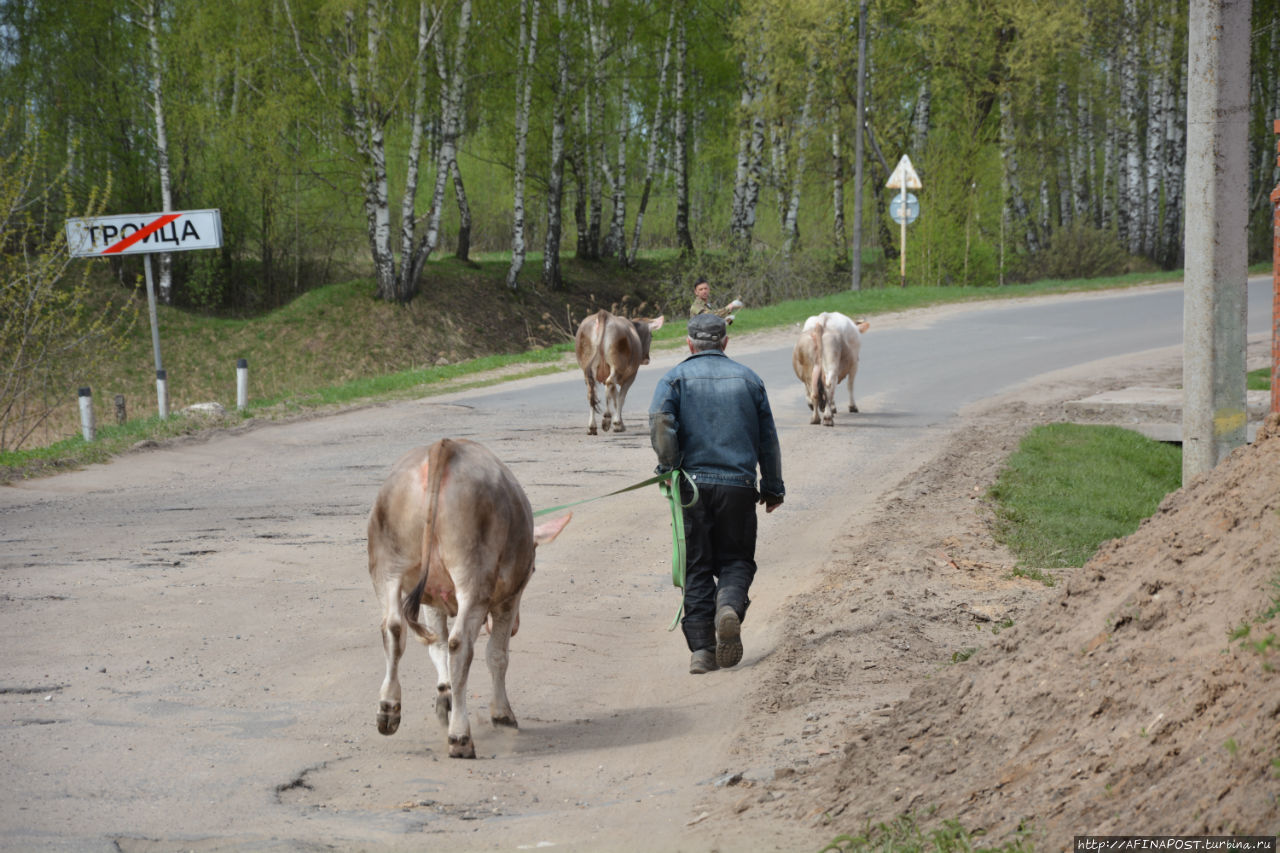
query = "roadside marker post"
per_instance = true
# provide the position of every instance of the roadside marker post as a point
(146, 234)
(904, 209)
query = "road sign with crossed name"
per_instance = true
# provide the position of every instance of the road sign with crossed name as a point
(139, 233)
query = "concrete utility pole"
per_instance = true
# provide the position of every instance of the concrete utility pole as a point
(1275, 285)
(1214, 417)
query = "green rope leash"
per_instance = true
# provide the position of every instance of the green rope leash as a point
(668, 484)
(670, 488)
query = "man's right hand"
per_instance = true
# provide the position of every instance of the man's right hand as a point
(771, 502)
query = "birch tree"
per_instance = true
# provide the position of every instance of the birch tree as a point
(150, 11)
(656, 129)
(525, 56)
(555, 180)
(680, 133)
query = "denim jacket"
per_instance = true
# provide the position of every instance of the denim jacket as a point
(710, 416)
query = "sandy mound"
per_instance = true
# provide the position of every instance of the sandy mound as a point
(1120, 705)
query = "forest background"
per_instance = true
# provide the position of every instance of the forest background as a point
(369, 140)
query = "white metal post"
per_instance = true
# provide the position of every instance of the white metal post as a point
(86, 414)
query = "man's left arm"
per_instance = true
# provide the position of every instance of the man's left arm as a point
(664, 428)
(772, 488)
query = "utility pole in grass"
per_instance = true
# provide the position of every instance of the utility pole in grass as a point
(1275, 285)
(1214, 417)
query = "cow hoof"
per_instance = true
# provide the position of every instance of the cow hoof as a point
(591, 430)
(852, 407)
(388, 718)
(829, 422)
(618, 427)
(443, 706)
(461, 747)
(507, 721)
(605, 423)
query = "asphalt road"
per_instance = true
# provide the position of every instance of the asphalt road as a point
(191, 647)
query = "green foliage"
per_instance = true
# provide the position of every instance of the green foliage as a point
(1068, 488)
(1258, 380)
(51, 334)
(904, 835)
(1076, 251)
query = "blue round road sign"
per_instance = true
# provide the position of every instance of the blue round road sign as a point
(912, 205)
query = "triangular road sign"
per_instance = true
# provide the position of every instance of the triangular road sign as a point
(904, 175)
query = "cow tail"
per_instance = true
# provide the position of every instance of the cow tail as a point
(816, 376)
(438, 458)
(602, 323)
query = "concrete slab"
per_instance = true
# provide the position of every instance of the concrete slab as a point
(1155, 412)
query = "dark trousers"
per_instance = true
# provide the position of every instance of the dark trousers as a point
(720, 551)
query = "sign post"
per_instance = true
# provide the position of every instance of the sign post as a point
(904, 208)
(146, 233)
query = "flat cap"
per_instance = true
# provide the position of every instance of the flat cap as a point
(706, 327)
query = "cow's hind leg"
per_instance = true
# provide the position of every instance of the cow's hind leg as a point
(497, 656)
(434, 620)
(853, 407)
(462, 643)
(610, 391)
(620, 392)
(393, 630)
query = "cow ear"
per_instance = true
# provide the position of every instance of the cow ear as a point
(548, 530)
(655, 325)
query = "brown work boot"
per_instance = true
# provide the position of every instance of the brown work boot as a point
(728, 637)
(703, 661)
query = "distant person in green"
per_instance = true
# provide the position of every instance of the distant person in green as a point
(702, 302)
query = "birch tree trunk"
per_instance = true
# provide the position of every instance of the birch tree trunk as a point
(1066, 162)
(615, 242)
(791, 223)
(1154, 160)
(920, 118)
(746, 185)
(1175, 158)
(555, 181)
(463, 251)
(1129, 221)
(779, 158)
(528, 51)
(151, 13)
(366, 133)
(593, 121)
(1081, 150)
(406, 285)
(1107, 186)
(655, 132)
(859, 131)
(1019, 216)
(683, 238)
(451, 89)
(838, 237)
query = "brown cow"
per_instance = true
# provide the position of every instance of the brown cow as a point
(824, 356)
(451, 534)
(610, 351)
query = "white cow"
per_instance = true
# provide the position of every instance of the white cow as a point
(825, 355)
(610, 351)
(451, 534)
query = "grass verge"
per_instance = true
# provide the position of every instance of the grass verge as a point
(904, 835)
(1070, 487)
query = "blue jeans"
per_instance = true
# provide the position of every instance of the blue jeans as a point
(720, 551)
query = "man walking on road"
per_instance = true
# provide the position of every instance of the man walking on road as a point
(710, 417)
